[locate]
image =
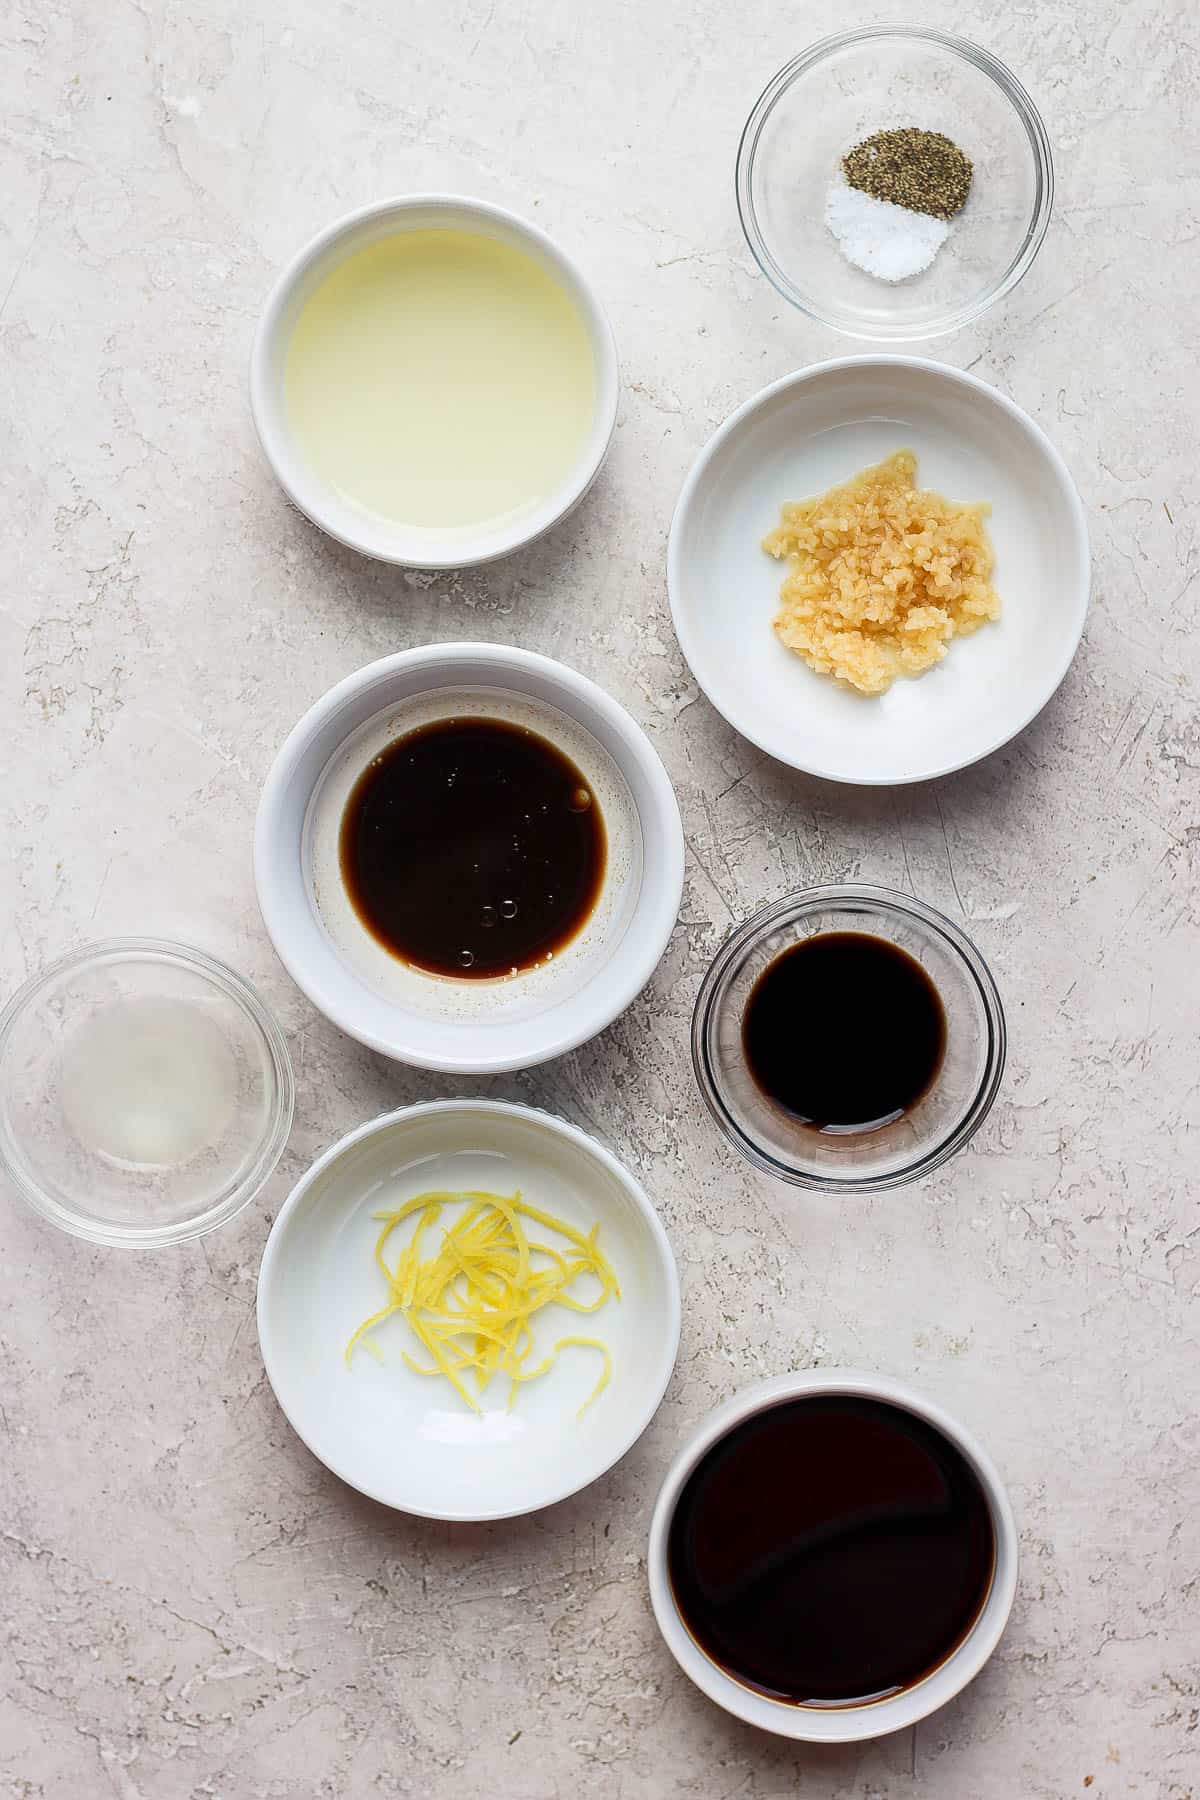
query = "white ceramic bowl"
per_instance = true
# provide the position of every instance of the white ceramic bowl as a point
(802, 435)
(406, 1439)
(840, 1724)
(465, 1026)
(410, 546)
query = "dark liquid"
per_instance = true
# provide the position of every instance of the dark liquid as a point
(831, 1551)
(472, 848)
(845, 1031)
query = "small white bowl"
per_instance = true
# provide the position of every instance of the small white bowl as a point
(803, 435)
(834, 1724)
(405, 1439)
(464, 1026)
(413, 547)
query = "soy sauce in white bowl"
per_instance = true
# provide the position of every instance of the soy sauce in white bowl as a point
(831, 1551)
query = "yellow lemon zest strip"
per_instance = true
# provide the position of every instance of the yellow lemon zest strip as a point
(377, 1318)
(588, 1343)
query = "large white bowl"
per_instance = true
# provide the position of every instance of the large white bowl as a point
(799, 437)
(410, 546)
(834, 1724)
(466, 1027)
(406, 1439)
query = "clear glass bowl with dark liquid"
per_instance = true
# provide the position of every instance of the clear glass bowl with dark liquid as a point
(875, 1005)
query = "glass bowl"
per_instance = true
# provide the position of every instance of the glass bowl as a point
(942, 1121)
(146, 1094)
(841, 91)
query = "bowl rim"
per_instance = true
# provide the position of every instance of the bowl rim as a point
(657, 905)
(551, 1124)
(843, 1724)
(937, 371)
(829, 896)
(153, 949)
(988, 64)
(306, 492)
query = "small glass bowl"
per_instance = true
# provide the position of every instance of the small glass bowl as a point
(146, 1094)
(945, 1119)
(883, 77)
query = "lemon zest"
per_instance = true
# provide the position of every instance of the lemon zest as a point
(590, 1343)
(470, 1303)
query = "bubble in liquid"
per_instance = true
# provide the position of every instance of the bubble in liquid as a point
(580, 800)
(508, 909)
(488, 916)
(466, 958)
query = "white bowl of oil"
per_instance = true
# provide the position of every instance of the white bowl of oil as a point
(434, 382)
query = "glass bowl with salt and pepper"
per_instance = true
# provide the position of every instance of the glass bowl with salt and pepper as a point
(893, 182)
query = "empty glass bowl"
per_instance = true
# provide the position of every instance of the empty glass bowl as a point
(845, 89)
(923, 1138)
(146, 1094)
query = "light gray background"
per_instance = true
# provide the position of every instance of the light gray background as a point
(194, 1607)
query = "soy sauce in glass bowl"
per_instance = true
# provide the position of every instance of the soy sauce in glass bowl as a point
(842, 1078)
(848, 1038)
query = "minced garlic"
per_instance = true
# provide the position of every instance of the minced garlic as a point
(883, 575)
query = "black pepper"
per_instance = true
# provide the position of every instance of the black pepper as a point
(923, 170)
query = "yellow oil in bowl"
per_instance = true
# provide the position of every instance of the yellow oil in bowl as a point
(440, 379)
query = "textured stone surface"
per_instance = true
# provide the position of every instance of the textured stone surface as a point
(193, 1607)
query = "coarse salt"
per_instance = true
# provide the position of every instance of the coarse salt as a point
(890, 242)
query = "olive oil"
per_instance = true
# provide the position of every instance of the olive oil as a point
(440, 379)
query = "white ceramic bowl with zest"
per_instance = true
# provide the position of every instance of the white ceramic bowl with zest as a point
(834, 1724)
(406, 1439)
(414, 546)
(466, 1026)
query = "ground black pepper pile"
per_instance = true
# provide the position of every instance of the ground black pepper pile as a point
(922, 170)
